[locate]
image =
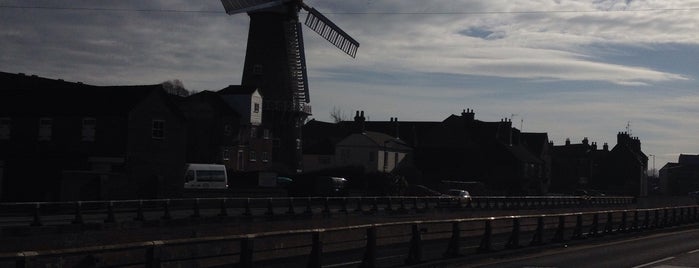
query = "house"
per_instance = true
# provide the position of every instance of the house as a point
(376, 152)
(254, 142)
(682, 177)
(620, 171)
(458, 148)
(71, 141)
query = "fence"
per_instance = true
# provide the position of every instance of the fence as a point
(370, 245)
(54, 213)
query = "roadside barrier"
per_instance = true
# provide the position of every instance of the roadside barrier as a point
(369, 245)
(38, 214)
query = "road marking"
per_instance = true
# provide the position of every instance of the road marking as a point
(655, 262)
(693, 251)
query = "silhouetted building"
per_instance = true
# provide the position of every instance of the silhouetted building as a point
(680, 178)
(620, 171)
(70, 141)
(459, 148)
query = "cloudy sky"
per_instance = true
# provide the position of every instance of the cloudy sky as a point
(573, 69)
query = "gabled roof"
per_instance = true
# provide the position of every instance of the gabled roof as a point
(215, 100)
(238, 90)
(32, 95)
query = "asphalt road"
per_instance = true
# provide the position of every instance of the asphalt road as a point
(675, 249)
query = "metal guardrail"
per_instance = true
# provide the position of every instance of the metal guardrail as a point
(53, 213)
(369, 245)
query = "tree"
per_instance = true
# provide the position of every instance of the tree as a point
(337, 115)
(175, 87)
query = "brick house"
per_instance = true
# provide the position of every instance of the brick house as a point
(71, 141)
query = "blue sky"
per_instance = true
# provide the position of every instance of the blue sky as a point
(574, 69)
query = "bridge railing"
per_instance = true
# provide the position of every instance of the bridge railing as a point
(368, 245)
(80, 212)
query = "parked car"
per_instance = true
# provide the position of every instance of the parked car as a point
(459, 196)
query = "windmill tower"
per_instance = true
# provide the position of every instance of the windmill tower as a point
(276, 64)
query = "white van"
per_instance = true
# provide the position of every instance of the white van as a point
(205, 176)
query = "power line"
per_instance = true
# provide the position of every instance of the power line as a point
(356, 13)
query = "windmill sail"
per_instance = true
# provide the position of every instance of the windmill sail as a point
(240, 6)
(297, 64)
(331, 32)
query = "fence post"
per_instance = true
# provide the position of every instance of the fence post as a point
(578, 231)
(343, 206)
(560, 231)
(359, 208)
(594, 228)
(486, 240)
(656, 218)
(270, 208)
(246, 252)
(389, 206)
(374, 206)
(248, 211)
(609, 226)
(166, 210)
(290, 210)
(454, 242)
(646, 220)
(538, 238)
(415, 253)
(139, 212)
(326, 207)
(153, 254)
(110, 213)
(665, 218)
(622, 226)
(369, 260)
(196, 213)
(634, 226)
(25, 259)
(315, 260)
(223, 210)
(513, 242)
(37, 215)
(78, 213)
(309, 210)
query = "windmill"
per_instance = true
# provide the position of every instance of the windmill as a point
(275, 63)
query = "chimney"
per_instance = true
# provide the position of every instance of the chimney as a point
(594, 145)
(359, 121)
(605, 147)
(396, 127)
(585, 141)
(567, 141)
(468, 115)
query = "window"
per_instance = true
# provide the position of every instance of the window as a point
(240, 160)
(45, 128)
(257, 69)
(253, 132)
(158, 129)
(226, 155)
(265, 157)
(89, 124)
(227, 130)
(256, 108)
(266, 134)
(4, 128)
(253, 158)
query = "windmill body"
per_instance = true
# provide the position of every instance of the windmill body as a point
(275, 64)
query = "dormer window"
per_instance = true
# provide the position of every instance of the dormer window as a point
(5, 128)
(45, 128)
(88, 132)
(256, 108)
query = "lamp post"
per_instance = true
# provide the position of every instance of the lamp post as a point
(653, 170)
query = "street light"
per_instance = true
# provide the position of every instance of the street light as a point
(653, 170)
